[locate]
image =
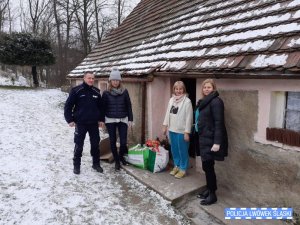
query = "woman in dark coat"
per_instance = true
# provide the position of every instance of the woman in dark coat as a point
(213, 143)
(118, 115)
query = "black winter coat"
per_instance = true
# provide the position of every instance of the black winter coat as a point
(84, 105)
(117, 106)
(211, 127)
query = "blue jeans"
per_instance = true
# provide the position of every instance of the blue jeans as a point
(180, 150)
(112, 131)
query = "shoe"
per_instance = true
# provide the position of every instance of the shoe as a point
(174, 171)
(76, 170)
(180, 174)
(98, 168)
(203, 195)
(117, 167)
(211, 199)
(124, 162)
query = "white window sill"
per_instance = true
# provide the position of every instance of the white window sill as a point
(276, 144)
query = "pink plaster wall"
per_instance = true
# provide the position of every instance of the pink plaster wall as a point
(265, 88)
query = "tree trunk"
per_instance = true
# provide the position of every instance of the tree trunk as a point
(34, 76)
(59, 61)
(119, 12)
(97, 21)
(85, 28)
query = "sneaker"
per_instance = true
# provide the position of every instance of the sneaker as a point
(174, 171)
(180, 174)
(98, 168)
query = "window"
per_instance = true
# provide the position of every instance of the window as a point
(292, 111)
(284, 126)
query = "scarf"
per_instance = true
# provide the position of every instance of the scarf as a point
(177, 99)
(116, 91)
(206, 100)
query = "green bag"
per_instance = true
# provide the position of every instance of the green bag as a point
(138, 156)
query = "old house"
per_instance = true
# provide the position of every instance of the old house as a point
(251, 48)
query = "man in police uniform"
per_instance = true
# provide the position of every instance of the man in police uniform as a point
(83, 110)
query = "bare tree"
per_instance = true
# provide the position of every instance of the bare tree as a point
(47, 24)
(3, 10)
(72, 26)
(10, 18)
(36, 10)
(23, 21)
(121, 6)
(98, 7)
(84, 13)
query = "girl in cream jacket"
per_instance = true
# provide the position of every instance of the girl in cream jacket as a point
(178, 120)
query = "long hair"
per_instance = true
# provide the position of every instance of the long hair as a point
(109, 87)
(208, 81)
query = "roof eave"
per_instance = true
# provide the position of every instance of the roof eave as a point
(228, 75)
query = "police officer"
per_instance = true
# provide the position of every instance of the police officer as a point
(83, 110)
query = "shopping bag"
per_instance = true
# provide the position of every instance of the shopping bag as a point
(138, 156)
(158, 160)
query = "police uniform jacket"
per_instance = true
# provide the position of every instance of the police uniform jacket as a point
(84, 105)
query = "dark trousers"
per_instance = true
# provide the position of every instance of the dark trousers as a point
(79, 136)
(112, 131)
(209, 169)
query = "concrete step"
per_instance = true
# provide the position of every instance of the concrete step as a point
(168, 186)
(182, 194)
(192, 209)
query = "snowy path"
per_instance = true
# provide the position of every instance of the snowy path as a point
(37, 185)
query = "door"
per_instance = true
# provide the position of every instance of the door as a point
(190, 84)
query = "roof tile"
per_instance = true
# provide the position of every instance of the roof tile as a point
(214, 35)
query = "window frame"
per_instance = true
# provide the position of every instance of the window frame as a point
(277, 131)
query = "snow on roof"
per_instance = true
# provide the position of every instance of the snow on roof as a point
(201, 36)
(269, 60)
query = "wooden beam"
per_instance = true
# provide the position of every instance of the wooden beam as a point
(228, 75)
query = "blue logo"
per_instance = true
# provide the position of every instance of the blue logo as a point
(258, 213)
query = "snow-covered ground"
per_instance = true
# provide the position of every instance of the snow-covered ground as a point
(37, 185)
(13, 81)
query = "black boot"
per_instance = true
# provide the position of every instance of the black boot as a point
(76, 163)
(123, 161)
(211, 199)
(117, 166)
(98, 168)
(76, 170)
(203, 195)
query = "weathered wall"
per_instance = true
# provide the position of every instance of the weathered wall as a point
(135, 93)
(158, 95)
(263, 174)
